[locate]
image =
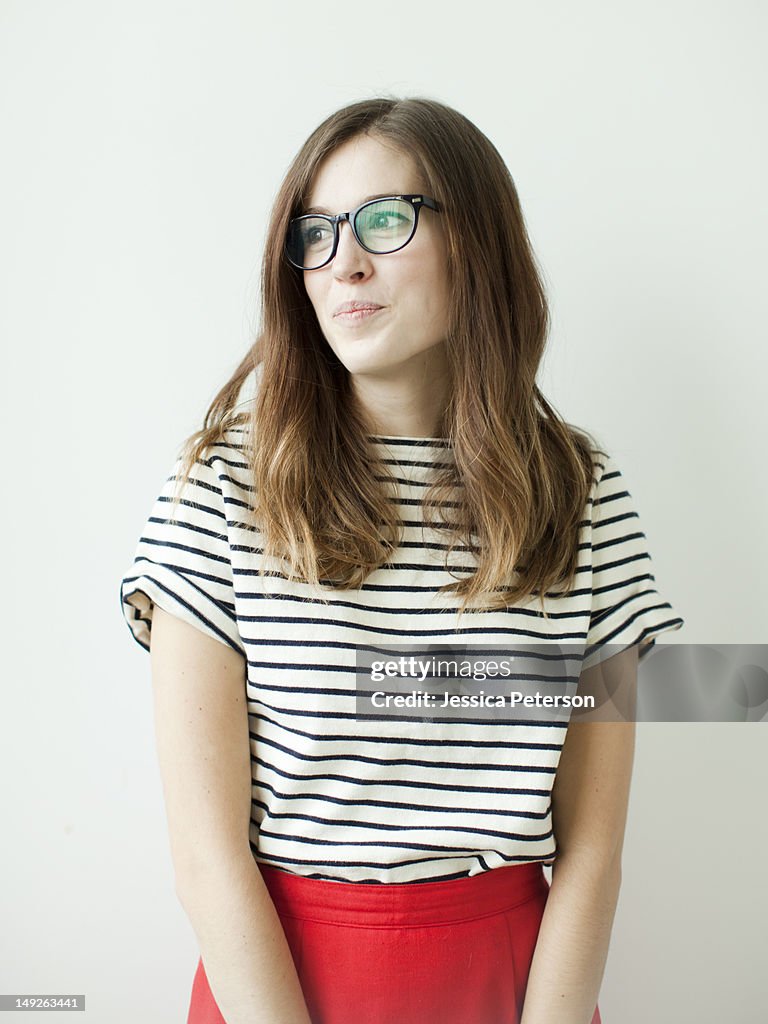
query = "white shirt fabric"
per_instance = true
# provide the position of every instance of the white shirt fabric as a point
(342, 798)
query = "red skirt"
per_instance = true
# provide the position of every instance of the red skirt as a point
(416, 953)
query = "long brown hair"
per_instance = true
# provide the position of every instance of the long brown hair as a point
(526, 474)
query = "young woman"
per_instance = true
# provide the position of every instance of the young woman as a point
(382, 470)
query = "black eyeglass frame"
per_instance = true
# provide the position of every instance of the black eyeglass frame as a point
(416, 201)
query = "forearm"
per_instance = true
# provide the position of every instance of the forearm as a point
(244, 950)
(572, 947)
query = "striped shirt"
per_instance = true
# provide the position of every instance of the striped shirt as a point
(336, 795)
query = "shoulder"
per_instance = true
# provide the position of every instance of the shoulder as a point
(608, 483)
(222, 465)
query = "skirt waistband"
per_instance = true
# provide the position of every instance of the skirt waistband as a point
(403, 905)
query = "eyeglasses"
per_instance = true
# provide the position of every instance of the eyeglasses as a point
(379, 226)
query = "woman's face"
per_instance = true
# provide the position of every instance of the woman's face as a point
(404, 339)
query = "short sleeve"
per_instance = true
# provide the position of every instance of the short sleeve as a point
(183, 562)
(627, 607)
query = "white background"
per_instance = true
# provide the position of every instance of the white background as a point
(142, 146)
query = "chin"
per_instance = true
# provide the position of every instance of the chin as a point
(352, 341)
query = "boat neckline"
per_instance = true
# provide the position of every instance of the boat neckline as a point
(404, 437)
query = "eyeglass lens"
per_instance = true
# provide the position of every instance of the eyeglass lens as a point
(382, 226)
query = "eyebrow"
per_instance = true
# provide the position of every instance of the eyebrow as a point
(379, 195)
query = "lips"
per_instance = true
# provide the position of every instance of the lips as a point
(356, 307)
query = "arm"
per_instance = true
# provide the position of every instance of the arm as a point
(201, 726)
(589, 810)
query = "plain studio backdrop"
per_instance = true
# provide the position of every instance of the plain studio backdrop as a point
(143, 145)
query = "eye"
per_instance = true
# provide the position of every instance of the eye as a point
(388, 219)
(315, 234)
(382, 221)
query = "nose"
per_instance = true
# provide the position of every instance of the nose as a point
(351, 260)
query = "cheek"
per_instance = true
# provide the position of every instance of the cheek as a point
(425, 272)
(314, 294)
(433, 296)
(427, 310)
